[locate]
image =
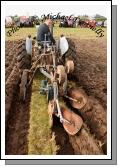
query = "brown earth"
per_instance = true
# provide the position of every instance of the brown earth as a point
(16, 112)
(83, 143)
(90, 70)
(18, 125)
(90, 74)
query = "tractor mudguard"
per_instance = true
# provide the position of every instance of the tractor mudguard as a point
(23, 84)
(63, 45)
(29, 45)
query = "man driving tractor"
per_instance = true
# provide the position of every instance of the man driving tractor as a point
(44, 33)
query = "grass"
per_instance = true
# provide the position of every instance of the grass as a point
(82, 33)
(41, 142)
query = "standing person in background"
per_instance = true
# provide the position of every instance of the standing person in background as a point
(77, 22)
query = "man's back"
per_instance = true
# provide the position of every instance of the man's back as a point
(42, 30)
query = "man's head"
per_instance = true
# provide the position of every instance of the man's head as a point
(48, 22)
(29, 36)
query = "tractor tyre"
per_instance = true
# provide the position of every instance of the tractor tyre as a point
(19, 58)
(23, 85)
(23, 59)
(71, 53)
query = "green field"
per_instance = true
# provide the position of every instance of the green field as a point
(78, 33)
(41, 140)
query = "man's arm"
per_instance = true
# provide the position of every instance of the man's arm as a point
(42, 30)
(51, 38)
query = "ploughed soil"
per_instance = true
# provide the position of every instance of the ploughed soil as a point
(18, 125)
(89, 75)
(16, 112)
(91, 69)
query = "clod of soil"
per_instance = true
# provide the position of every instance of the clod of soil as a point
(83, 143)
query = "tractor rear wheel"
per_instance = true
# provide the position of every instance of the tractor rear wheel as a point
(23, 59)
(71, 53)
(23, 85)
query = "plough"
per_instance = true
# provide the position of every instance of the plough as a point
(48, 60)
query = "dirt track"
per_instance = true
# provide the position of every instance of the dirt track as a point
(90, 74)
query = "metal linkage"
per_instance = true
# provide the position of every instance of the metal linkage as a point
(45, 73)
(70, 98)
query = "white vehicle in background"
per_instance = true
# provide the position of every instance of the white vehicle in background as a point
(105, 23)
(8, 22)
(99, 23)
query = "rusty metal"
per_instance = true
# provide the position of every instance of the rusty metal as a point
(69, 66)
(57, 77)
(78, 98)
(70, 98)
(75, 120)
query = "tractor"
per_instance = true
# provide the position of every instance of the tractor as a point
(67, 23)
(49, 60)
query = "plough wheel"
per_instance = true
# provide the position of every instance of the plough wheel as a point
(61, 74)
(23, 85)
(70, 66)
(75, 120)
(79, 97)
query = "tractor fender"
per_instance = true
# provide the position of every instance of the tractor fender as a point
(63, 45)
(29, 46)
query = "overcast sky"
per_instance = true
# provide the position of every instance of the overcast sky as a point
(67, 8)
